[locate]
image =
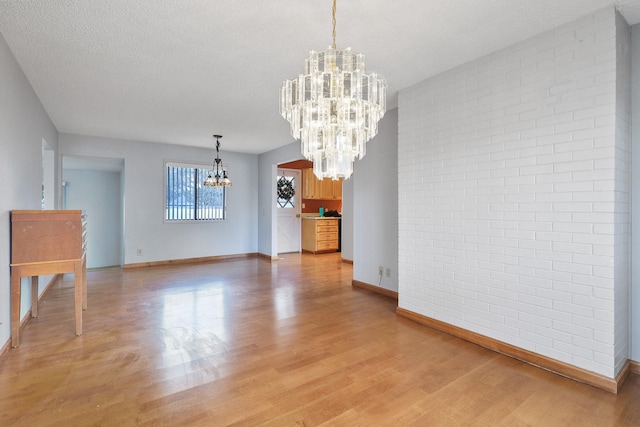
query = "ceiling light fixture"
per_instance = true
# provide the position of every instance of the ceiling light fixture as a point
(333, 108)
(218, 174)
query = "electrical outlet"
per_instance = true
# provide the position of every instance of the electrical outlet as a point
(139, 251)
(380, 271)
(388, 272)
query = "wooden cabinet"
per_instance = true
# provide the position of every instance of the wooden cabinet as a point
(337, 189)
(319, 235)
(326, 189)
(309, 184)
(41, 236)
(47, 242)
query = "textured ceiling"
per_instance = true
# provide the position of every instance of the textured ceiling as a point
(178, 71)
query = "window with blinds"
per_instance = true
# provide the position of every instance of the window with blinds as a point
(187, 199)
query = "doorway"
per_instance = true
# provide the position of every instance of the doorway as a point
(288, 204)
(95, 185)
(48, 176)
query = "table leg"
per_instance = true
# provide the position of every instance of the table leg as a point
(77, 287)
(15, 306)
(84, 283)
(34, 296)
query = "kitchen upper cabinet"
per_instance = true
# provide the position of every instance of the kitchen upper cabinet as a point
(337, 189)
(331, 190)
(309, 184)
(326, 189)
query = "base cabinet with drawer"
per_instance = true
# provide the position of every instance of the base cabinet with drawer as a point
(319, 234)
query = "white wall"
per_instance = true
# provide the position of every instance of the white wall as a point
(621, 207)
(635, 171)
(23, 125)
(98, 194)
(375, 207)
(347, 220)
(507, 206)
(144, 200)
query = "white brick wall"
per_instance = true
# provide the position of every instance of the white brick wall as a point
(513, 196)
(635, 194)
(621, 205)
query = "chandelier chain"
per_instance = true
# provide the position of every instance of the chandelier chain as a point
(333, 20)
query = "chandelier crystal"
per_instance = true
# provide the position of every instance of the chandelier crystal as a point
(333, 108)
(218, 174)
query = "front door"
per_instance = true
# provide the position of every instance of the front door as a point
(288, 201)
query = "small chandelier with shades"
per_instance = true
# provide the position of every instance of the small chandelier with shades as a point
(333, 108)
(218, 174)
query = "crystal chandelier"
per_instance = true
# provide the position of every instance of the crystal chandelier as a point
(333, 108)
(218, 174)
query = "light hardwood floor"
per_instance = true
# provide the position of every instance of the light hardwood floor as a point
(289, 343)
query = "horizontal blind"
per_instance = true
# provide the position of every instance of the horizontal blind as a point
(187, 199)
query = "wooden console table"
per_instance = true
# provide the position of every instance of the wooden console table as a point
(47, 242)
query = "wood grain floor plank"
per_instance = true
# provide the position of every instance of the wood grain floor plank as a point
(248, 342)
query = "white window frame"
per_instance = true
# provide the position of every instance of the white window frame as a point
(221, 215)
